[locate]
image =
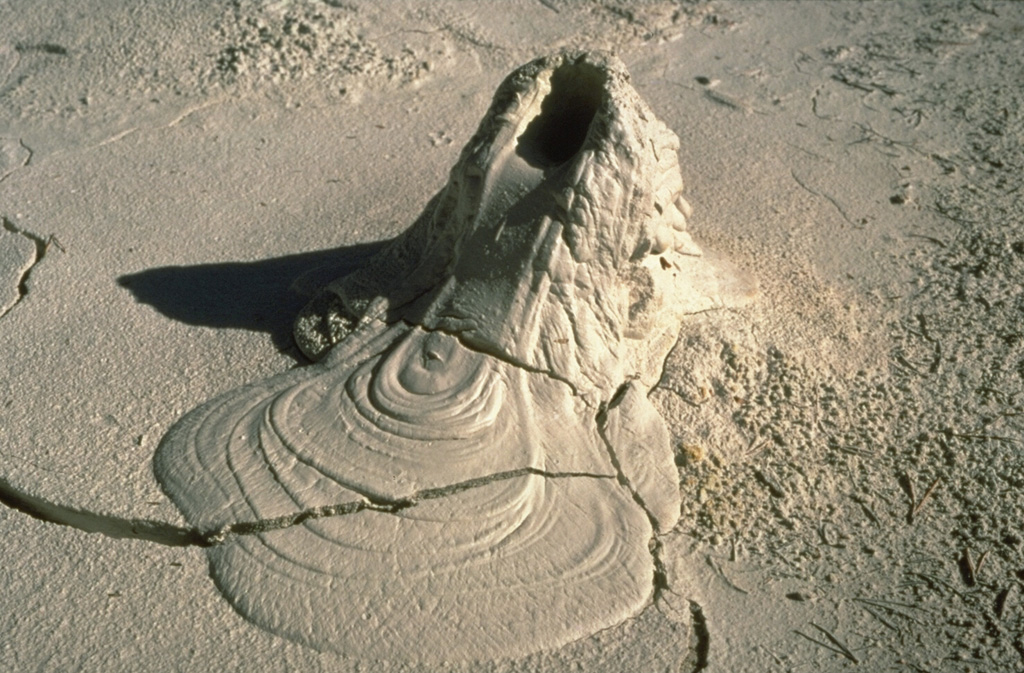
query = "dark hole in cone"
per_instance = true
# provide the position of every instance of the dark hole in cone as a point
(558, 132)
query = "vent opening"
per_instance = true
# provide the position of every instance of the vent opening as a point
(558, 132)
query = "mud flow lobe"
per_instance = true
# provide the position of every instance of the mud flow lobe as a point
(472, 469)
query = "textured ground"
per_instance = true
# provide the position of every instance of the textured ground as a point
(849, 447)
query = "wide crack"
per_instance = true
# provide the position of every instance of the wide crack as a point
(151, 530)
(171, 535)
(700, 637)
(168, 534)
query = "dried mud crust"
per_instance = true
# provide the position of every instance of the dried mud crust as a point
(261, 44)
(56, 67)
(892, 497)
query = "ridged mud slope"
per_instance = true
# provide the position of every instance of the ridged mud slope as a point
(474, 467)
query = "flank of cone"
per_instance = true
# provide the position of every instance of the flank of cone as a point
(560, 242)
(472, 469)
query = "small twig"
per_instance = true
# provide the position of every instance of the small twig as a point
(997, 438)
(754, 447)
(818, 642)
(891, 607)
(936, 359)
(908, 487)
(882, 603)
(906, 363)
(951, 217)
(930, 239)
(835, 641)
(880, 618)
(830, 199)
(967, 569)
(54, 241)
(924, 498)
(728, 101)
(852, 84)
(984, 10)
(718, 569)
(935, 582)
(1001, 599)
(868, 512)
(870, 87)
(768, 479)
(981, 562)
(772, 654)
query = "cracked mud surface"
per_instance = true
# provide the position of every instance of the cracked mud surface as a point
(863, 161)
(18, 254)
(20, 251)
(458, 373)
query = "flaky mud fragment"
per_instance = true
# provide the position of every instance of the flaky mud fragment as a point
(482, 389)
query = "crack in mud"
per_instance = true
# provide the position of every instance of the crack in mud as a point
(151, 530)
(654, 545)
(701, 637)
(41, 244)
(211, 538)
(498, 354)
(171, 535)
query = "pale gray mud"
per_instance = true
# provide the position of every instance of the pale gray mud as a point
(849, 448)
